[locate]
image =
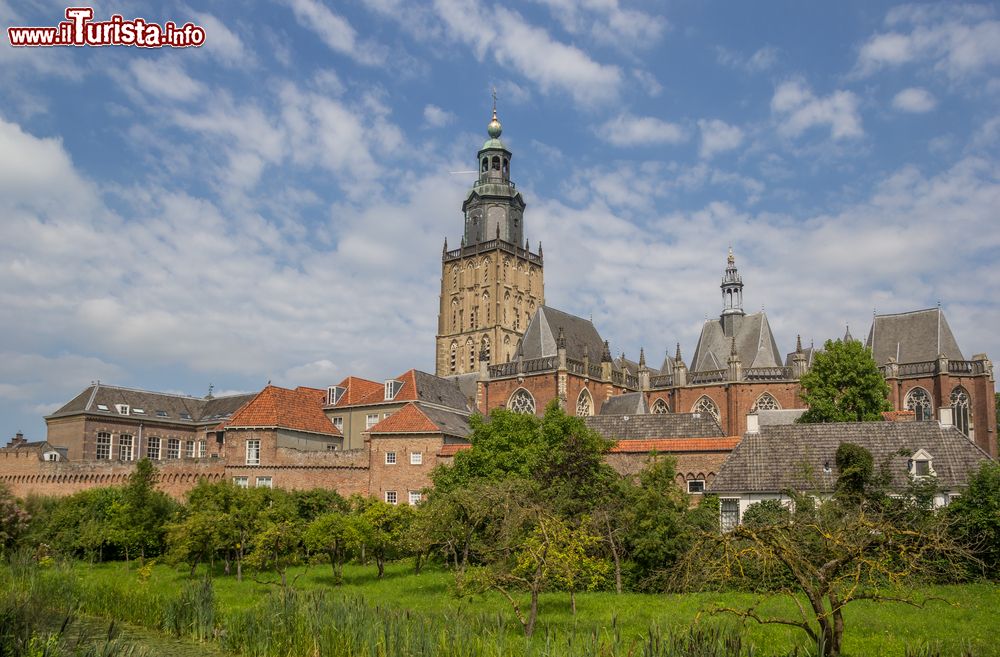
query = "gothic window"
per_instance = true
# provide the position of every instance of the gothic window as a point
(506, 347)
(506, 266)
(486, 305)
(659, 407)
(522, 402)
(486, 347)
(765, 403)
(470, 346)
(918, 401)
(454, 315)
(454, 277)
(486, 271)
(472, 318)
(706, 405)
(584, 404)
(454, 356)
(960, 410)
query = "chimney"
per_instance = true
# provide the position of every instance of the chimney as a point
(945, 412)
(753, 423)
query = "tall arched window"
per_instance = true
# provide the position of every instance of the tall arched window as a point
(918, 401)
(522, 402)
(473, 317)
(486, 307)
(765, 403)
(584, 404)
(706, 405)
(960, 410)
(453, 363)
(485, 346)
(486, 271)
(659, 407)
(454, 315)
(454, 277)
(506, 347)
(470, 347)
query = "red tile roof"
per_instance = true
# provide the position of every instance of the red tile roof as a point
(899, 416)
(409, 419)
(300, 409)
(407, 393)
(677, 445)
(450, 449)
(357, 389)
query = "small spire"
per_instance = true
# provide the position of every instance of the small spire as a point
(798, 344)
(494, 128)
(561, 340)
(847, 333)
(539, 248)
(526, 247)
(642, 357)
(606, 356)
(586, 352)
(732, 349)
(445, 249)
(677, 357)
(731, 259)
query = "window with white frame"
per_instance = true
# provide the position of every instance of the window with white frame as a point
(189, 449)
(51, 456)
(125, 451)
(253, 452)
(730, 510)
(390, 497)
(201, 448)
(960, 410)
(390, 458)
(241, 482)
(339, 423)
(371, 420)
(696, 486)
(415, 497)
(392, 389)
(264, 482)
(173, 448)
(922, 464)
(103, 445)
(416, 458)
(153, 449)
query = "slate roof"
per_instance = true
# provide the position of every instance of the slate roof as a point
(654, 426)
(40, 447)
(540, 337)
(299, 410)
(631, 403)
(755, 344)
(793, 456)
(912, 337)
(156, 406)
(808, 352)
(419, 386)
(419, 418)
(782, 416)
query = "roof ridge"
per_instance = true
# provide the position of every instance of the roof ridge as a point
(908, 312)
(171, 394)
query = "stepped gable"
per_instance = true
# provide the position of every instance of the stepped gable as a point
(912, 337)
(280, 408)
(101, 399)
(418, 418)
(797, 456)
(631, 403)
(540, 337)
(755, 344)
(655, 426)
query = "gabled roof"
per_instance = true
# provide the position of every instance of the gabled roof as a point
(755, 344)
(356, 389)
(543, 330)
(420, 386)
(655, 426)
(39, 447)
(418, 418)
(912, 337)
(796, 456)
(156, 406)
(273, 407)
(631, 403)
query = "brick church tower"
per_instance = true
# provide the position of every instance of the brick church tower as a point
(492, 284)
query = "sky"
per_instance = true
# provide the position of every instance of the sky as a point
(271, 206)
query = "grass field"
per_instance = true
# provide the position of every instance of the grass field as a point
(967, 620)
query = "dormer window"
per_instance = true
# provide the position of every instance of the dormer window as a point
(122, 409)
(334, 393)
(392, 388)
(921, 464)
(102, 407)
(139, 411)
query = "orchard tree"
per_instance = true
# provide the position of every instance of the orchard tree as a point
(328, 534)
(379, 529)
(13, 519)
(844, 385)
(976, 519)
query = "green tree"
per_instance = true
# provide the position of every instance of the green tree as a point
(844, 385)
(572, 562)
(140, 517)
(976, 519)
(13, 519)
(379, 529)
(328, 534)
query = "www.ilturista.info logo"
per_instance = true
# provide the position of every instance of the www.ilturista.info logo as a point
(79, 29)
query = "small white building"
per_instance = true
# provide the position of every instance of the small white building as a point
(772, 460)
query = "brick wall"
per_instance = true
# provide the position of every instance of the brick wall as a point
(402, 476)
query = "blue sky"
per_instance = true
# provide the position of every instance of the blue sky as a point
(271, 206)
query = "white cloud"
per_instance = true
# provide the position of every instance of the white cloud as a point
(761, 60)
(606, 21)
(798, 109)
(336, 32)
(958, 40)
(165, 78)
(718, 136)
(915, 100)
(223, 43)
(648, 81)
(628, 130)
(436, 117)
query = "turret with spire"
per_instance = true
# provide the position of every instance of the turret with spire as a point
(732, 296)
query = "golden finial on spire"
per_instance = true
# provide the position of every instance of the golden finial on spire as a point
(731, 259)
(494, 128)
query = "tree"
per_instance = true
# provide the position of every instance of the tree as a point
(976, 516)
(139, 519)
(328, 534)
(844, 385)
(572, 563)
(379, 529)
(13, 519)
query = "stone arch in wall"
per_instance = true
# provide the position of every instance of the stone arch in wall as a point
(521, 401)
(659, 407)
(584, 404)
(766, 402)
(919, 401)
(706, 404)
(961, 410)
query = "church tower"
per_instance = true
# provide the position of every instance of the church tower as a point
(732, 296)
(492, 284)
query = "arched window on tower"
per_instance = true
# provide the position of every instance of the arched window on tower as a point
(485, 346)
(960, 410)
(454, 315)
(470, 347)
(918, 401)
(454, 277)
(495, 162)
(453, 363)
(705, 404)
(486, 271)
(659, 407)
(506, 347)
(765, 403)
(584, 404)
(506, 168)
(473, 317)
(521, 402)
(486, 307)
(486, 164)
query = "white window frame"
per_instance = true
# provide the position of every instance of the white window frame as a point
(696, 481)
(253, 447)
(371, 420)
(126, 441)
(416, 458)
(265, 481)
(391, 497)
(189, 449)
(201, 449)
(241, 482)
(153, 445)
(390, 458)
(722, 513)
(415, 497)
(338, 422)
(103, 448)
(173, 448)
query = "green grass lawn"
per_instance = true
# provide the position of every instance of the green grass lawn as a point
(967, 619)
